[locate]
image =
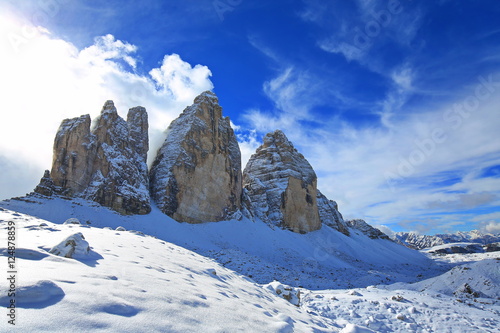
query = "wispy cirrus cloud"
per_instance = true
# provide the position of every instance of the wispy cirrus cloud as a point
(437, 153)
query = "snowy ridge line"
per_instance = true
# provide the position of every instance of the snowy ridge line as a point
(419, 242)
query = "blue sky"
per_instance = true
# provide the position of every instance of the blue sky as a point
(396, 104)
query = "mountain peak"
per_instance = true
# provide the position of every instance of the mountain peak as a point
(109, 107)
(207, 96)
(277, 139)
(106, 164)
(196, 176)
(281, 185)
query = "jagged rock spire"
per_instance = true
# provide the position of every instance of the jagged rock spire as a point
(281, 185)
(106, 165)
(196, 176)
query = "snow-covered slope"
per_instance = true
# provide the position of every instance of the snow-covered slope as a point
(135, 283)
(403, 309)
(129, 281)
(479, 279)
(325, 258)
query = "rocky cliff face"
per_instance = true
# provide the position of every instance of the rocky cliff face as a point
(106, 165)
(46, 186)
(367, 229)
(281, 186)
(73, 156)
(330, 215)
(196, 176)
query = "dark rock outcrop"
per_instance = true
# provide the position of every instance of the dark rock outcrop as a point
(46, 186)
(196, 176)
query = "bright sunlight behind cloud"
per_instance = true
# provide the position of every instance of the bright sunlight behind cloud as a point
(49, 79)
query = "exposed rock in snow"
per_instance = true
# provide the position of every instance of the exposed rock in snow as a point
(493, 247)
(74, 246)
(479, 279)
(281, 185)
(291, 294)
(417, 241)
(106, 165)
(367, 229)
(330, 215)
(72, 220)
(137, 121)
(196, 176)
(456, 248)
(473, 236)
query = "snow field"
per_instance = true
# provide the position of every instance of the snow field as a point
(191, 277)
(130, 283)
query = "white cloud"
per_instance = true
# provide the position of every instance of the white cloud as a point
(394, 173)
(107, 48)
(359, 35)
(489, 223)
(46, 79)
(492, 227)
(484, 217)
(385, 229)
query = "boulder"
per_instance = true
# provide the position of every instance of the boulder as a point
(73, 246)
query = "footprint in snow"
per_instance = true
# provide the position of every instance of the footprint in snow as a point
(119, 309)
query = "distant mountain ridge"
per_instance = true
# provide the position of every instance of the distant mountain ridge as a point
(419, 242)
